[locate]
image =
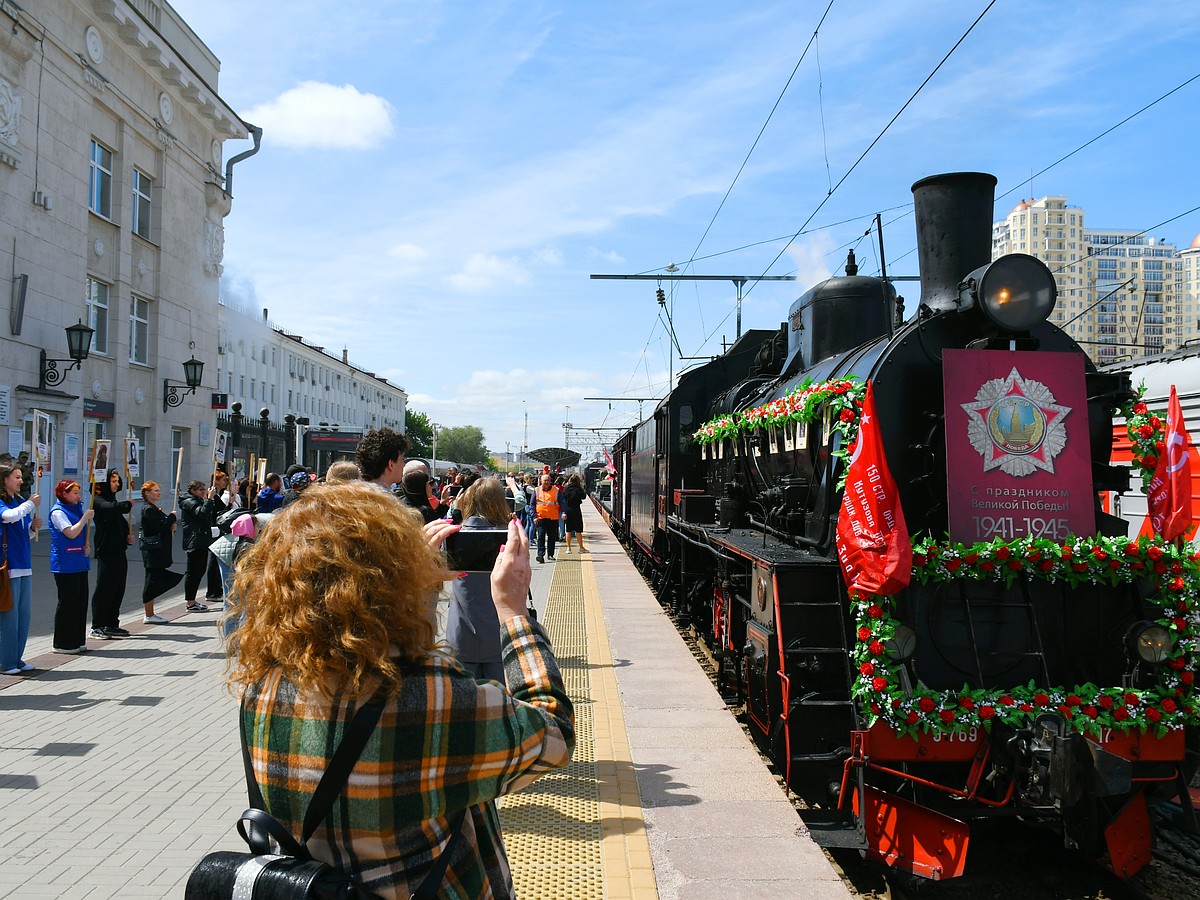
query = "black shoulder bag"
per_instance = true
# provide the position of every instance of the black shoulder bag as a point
(293, 873)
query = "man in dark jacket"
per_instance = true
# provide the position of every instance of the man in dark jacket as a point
(196, 510)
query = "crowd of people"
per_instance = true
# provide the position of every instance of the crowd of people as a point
(332, 608)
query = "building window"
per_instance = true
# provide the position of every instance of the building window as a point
(100, 180)
(140, 202)
(139, 330)
(97, 314)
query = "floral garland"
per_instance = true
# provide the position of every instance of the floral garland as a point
(1147, 434)
(804, 403)
(1087, 708)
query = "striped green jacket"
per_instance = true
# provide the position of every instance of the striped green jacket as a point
(444, 742)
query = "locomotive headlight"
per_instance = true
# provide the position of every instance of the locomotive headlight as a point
(902, 644)
(1151, 642)
(1015, 292)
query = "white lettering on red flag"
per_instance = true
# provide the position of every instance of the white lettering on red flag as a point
(872, 538)
(1169, 496)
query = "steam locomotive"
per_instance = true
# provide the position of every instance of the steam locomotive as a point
(1039, 664)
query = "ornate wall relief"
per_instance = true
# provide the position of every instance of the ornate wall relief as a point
(10, 124)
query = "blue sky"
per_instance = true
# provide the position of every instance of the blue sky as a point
(438, 179)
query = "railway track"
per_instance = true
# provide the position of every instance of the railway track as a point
(1008, 860)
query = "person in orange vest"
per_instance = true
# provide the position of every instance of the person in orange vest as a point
(548, 501)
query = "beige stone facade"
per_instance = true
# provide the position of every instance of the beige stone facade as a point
(111, 153)
(265, 366)
(1119, 290)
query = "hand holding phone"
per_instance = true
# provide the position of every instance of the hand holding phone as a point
(474, 549)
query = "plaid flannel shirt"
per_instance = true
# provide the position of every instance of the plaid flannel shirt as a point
(444, 742)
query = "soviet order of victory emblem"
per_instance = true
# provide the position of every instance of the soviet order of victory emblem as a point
(1016, 426)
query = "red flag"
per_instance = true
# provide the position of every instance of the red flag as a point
(872, 539)
(608, 464)
(1170, 494)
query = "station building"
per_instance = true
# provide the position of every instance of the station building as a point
(112, 146)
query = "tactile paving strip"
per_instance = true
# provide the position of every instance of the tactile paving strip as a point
(579, 832)
(552, 828)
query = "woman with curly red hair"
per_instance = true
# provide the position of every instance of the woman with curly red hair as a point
(338, 596)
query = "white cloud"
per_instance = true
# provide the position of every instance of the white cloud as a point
(484, 271)
(550, 255)
(812, 259)
(313, 114)
(410, 253)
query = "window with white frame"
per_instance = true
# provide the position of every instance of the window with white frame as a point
(97, 315)
(140, 203)
(100, 171)
(139, 330)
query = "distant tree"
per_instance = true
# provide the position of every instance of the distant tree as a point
(420, 434)
(463, 444)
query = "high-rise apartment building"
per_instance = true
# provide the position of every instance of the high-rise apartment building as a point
(1118, 290)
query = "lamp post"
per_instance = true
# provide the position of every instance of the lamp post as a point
(193, 374)
(79, 344)
(434, 426)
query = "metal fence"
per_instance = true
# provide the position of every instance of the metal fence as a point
(254, 437)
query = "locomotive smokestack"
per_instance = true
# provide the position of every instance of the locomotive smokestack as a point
(954, 232)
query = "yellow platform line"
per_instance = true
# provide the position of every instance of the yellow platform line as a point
(579, 833)
(628, 869)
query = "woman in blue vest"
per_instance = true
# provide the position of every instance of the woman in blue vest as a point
(70, 561)
(17, 519)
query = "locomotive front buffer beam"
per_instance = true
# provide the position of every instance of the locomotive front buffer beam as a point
(1049, 770)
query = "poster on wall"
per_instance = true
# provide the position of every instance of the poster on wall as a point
(16, 442)
(219, 442)
(132, 455)
(70, 454)
(100, 454)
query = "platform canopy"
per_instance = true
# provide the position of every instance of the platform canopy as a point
(555, 457)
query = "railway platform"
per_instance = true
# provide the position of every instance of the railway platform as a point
(120, 768)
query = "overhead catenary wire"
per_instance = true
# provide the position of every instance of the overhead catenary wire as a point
(763, 129)
(1105, 132)
(879, 136)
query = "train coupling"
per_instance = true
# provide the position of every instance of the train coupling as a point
(1055, 765)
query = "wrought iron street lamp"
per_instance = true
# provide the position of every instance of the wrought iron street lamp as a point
(193, 374)
(79, 344)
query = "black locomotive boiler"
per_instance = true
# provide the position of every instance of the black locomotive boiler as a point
(1040, 667)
